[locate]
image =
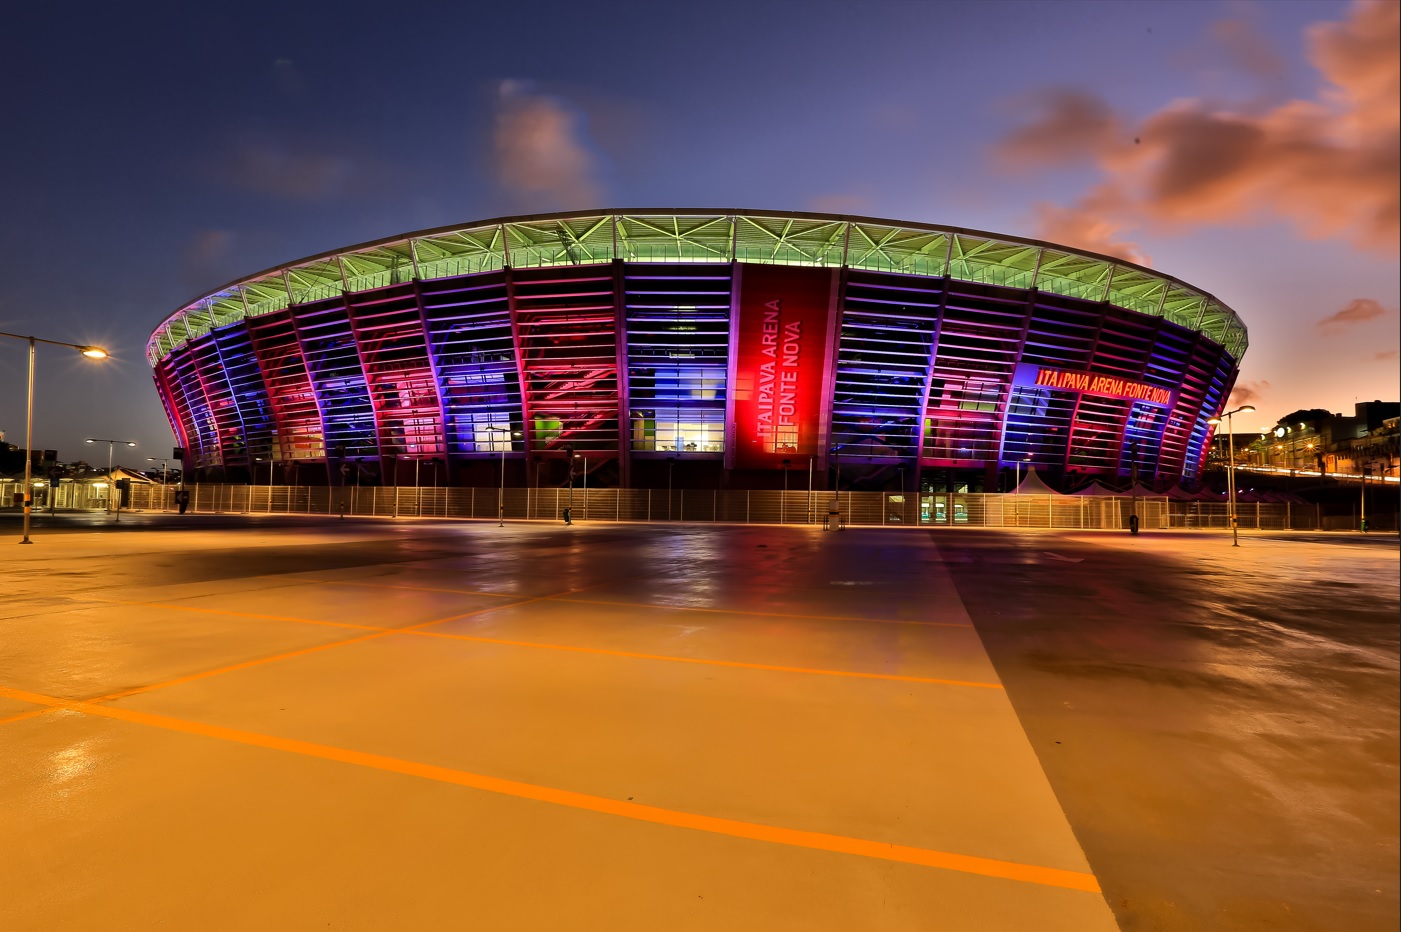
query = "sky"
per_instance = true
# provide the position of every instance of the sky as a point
(153, 152)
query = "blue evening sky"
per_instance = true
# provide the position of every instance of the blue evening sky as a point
(152, 152)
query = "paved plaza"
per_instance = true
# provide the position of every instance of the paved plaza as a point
(291, 723)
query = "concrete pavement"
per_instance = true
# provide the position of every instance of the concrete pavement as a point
(425, 726)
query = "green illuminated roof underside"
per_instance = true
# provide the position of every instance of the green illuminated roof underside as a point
(716, 236)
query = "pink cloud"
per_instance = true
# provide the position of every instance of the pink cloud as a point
(840, 204)
(1328, 165)
(542, 150)
(1355, 312)
(1387, 355)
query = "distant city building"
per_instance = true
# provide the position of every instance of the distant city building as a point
(1365, 443)
(732, 346)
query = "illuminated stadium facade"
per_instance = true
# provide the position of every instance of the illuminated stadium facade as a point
(730, 346)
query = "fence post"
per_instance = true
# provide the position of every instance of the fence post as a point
(714, 501)
(746, 506)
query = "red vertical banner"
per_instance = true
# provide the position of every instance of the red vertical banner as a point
(780, 363)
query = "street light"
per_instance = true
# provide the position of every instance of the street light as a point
(670, 461)
(92, 352)
(783, 502)
(501, 494)
(162, 460)
(111, 483)
(1231, 465)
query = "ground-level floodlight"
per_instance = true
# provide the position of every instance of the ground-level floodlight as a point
(1231, 465)
(91, 352)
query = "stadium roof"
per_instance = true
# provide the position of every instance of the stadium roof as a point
(768, 237)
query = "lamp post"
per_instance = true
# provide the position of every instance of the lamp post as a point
(92, 352)
(111, 483)
(501, 493)
(163, 462)
(1231, 465)
(572, 457)
(783, 502)
(670, 462)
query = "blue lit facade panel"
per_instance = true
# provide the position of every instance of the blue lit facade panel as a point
(247, 393)
(678, 324)
(468, 323)
(884, 349)
(338, 378)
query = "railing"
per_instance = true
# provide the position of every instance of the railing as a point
(864, 509)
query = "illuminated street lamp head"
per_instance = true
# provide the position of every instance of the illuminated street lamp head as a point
(89, 440)
(1213, 420)
(93, 352)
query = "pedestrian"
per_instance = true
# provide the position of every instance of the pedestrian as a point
(567, 520)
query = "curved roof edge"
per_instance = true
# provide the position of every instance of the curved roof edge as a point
(699, 235)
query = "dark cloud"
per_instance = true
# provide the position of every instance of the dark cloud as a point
(1355, 312)
(292, 171)
(1248, 393)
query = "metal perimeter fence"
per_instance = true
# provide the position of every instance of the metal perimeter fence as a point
(864, 509)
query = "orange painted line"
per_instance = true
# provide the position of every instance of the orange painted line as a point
(288, 655)
(736, 611)
(711, 663)
(366, 585)
(754, 831)
(417, 630)
(24, 715)
(225, 611)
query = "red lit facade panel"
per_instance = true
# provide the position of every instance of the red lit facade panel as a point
(566, 323)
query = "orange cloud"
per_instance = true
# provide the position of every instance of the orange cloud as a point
(1386, 355)
(1331, 165)
(1356, 311)
(542, 150)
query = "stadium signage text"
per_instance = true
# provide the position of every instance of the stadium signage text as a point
(779, 368)
(1090, 383)
(778, 374)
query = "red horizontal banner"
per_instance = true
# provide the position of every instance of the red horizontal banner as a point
(1090, 383)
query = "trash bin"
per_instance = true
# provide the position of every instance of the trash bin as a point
(1133, 524)
(834, 518)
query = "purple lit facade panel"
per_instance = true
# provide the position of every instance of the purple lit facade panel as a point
(468, 322)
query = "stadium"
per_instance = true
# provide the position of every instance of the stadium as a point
(710, 349)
